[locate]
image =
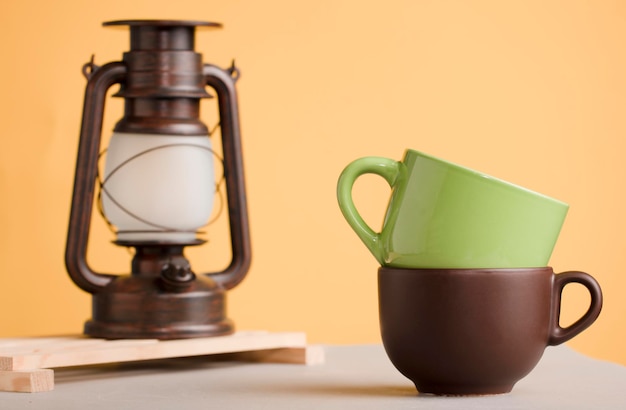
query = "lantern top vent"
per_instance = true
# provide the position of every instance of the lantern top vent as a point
(162, 34)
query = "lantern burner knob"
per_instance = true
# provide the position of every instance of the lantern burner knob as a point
(177, 277)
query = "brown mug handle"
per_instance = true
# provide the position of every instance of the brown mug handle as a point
(560, 334)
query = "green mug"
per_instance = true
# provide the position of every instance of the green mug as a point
(442, 215)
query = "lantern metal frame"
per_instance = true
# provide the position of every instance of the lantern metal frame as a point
(162, 80)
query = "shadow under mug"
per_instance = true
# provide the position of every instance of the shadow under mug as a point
(443, 215)
(475, 331)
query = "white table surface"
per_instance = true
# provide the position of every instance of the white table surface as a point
(353, 377)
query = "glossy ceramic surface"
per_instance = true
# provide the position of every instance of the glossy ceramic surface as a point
(442, 215)
(474, 331)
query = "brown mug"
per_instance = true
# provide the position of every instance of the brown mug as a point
(475, 331)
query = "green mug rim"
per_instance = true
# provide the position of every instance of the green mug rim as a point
(479, 174)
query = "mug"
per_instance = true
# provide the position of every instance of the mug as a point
(474, 331)
(442, 215)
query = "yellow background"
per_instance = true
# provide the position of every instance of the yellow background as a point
(533, 92)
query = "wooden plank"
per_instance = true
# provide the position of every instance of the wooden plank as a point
(50, 346)
(27, 381)
(132, 350)
(309, 355)
(25, 362)
(12, 342)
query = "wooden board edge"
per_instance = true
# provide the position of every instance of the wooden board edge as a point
(27, 381)
(308, 355)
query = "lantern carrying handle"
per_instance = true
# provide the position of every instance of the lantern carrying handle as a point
(100, 79)
(223, 82)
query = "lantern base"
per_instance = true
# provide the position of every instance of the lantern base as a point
(114, 331)
(141, 307)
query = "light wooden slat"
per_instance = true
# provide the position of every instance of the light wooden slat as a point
(8, 343)
(25, 362)
(309, 355)
(27, 381)
(132, 350)
(50, 346)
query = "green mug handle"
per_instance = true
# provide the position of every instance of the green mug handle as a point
(387, 168)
